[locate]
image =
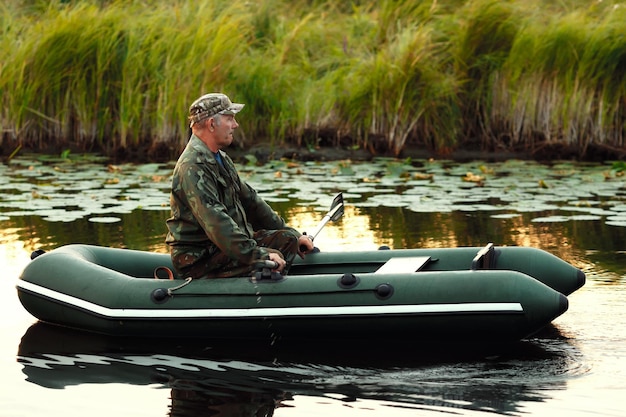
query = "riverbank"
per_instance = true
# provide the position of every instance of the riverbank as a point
(265, 152)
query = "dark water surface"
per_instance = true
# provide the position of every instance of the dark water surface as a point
(575, 367)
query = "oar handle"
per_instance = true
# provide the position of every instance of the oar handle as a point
(302, 247)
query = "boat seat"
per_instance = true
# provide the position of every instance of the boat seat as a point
(485, 258)
(403, 265)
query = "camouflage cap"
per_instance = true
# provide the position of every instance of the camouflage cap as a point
(211, 104)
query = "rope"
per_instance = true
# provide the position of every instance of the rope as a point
(171, 290)
(170, 276)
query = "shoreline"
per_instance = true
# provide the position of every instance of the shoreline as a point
(266, 152)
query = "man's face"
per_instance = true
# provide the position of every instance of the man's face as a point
(224, 127)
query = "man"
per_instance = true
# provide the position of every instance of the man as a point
(219, 226)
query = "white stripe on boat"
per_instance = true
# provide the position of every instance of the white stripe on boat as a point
(161, 313)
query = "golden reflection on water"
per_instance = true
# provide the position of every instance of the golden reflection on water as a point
(352, 232)
(538, 235)
(14, 256)
(14, 252)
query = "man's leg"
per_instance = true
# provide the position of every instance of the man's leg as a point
(284, 242)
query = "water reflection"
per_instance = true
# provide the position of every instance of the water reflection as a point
(251, 379)
(196, 400)
(140, 229)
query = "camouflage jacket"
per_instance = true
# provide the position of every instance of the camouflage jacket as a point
(213, 209)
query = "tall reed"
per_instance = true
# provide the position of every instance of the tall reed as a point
(117, 74)
(482, 42)
(64, 83)
(173, 57)
(565, 81)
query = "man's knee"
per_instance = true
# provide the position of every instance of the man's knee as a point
(290, 238)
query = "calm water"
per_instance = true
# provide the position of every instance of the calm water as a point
(575, 367)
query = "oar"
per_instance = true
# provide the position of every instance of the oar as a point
(334, 214)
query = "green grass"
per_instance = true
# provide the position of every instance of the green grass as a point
(110, 75)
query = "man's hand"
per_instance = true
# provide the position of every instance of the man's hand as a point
(305, 245)
(279, 260)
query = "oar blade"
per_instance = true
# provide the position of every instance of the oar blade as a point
(336, 208)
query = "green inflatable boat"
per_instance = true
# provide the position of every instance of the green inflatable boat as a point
(473, 294)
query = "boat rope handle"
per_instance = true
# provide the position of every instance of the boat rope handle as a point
(171, 290)
(170, 274)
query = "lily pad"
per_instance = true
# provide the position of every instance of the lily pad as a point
(616, 223)
(105, 219)
(58, 191)
(506, 216)
(550, 219)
